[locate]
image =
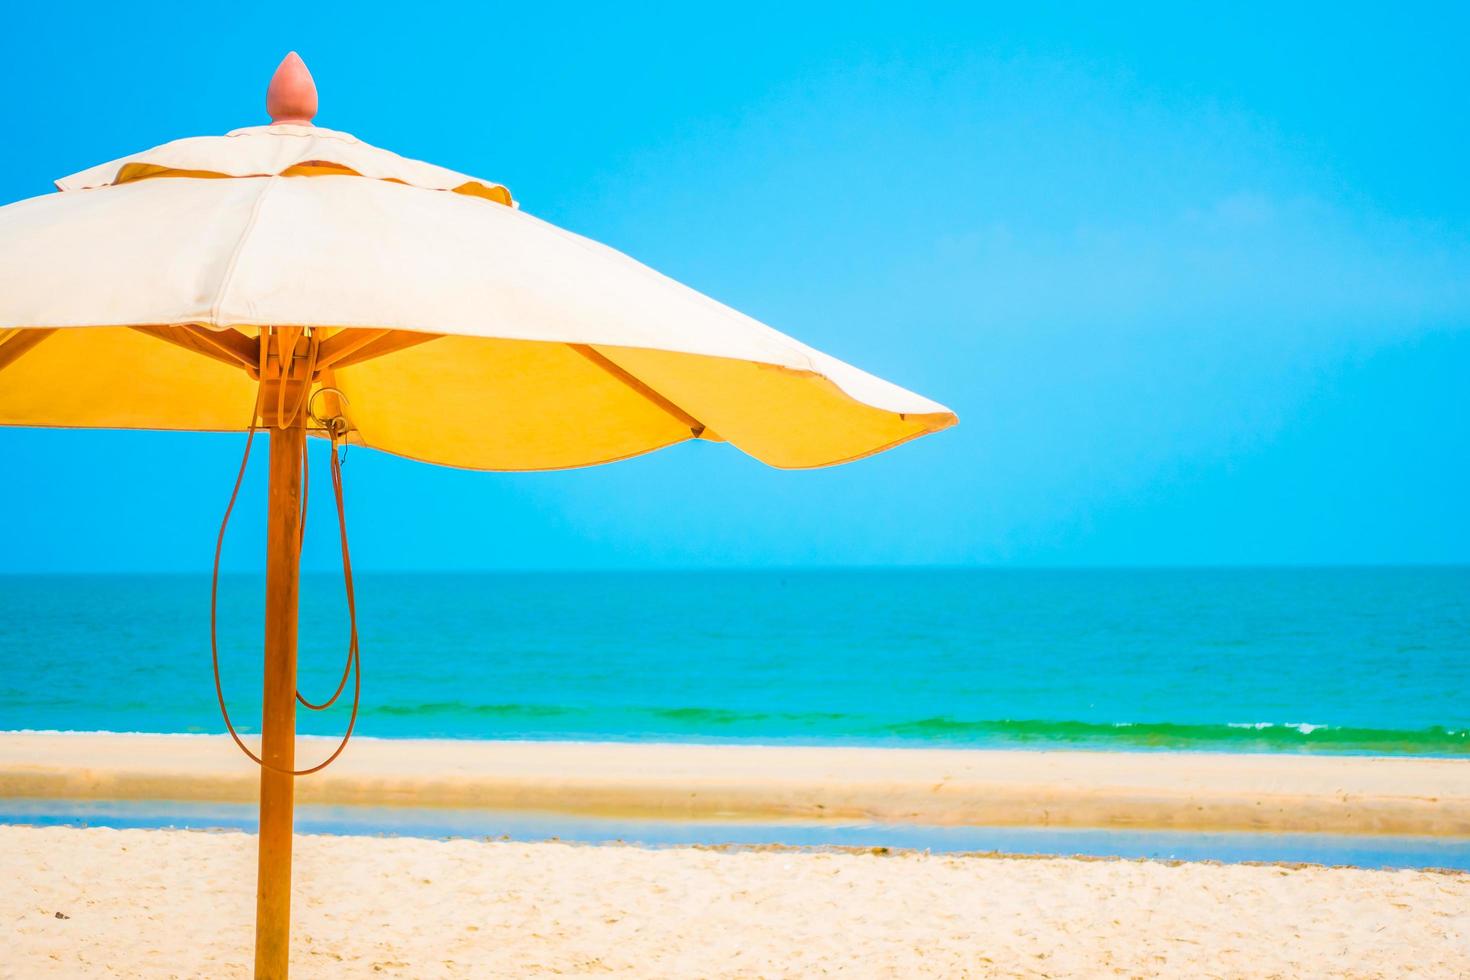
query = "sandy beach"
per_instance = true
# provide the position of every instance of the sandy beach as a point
(99, 902)
(938, 787)
(89, 902)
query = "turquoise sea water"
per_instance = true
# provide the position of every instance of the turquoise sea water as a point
(1344, 660)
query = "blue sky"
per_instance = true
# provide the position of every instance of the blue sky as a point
(1197, 281)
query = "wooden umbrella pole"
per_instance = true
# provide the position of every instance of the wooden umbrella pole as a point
(278, 722)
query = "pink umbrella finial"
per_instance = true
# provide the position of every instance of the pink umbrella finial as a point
(291, 97)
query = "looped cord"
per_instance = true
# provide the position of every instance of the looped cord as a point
(353, 665)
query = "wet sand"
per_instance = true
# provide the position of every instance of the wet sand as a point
(934, 787)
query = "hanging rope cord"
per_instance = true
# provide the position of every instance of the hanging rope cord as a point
(353, 664)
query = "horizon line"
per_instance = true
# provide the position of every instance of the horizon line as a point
(783, 569)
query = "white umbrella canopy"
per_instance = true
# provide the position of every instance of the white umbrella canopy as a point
(461, 330)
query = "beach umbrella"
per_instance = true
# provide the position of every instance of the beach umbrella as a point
(296, 279)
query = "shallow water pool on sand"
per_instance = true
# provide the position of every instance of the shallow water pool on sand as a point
(1327, 849)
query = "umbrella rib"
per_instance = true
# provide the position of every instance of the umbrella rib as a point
(355, 345)
(344, 343)
(228, 346)
(21, 340)
(696, 427)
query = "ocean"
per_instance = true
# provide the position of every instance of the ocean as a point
(1280, 660)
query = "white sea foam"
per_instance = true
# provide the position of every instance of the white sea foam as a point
(1305, 727)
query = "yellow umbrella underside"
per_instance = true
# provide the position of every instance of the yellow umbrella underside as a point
(481, 403)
